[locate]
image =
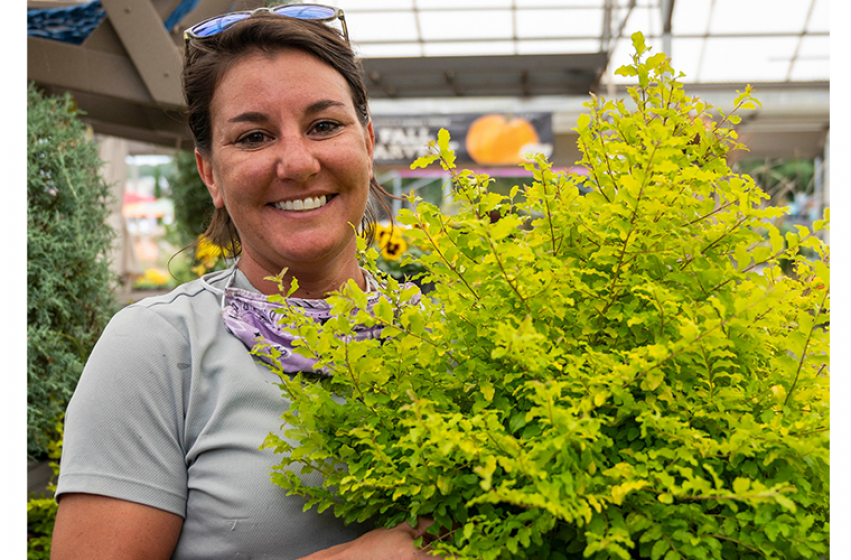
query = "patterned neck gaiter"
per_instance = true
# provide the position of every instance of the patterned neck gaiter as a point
(250, 316)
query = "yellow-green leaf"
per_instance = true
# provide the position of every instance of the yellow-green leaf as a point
(424, 161)
(741, 486)
(487, 390)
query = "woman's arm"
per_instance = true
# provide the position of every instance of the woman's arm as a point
(381, 544)
(92, 527)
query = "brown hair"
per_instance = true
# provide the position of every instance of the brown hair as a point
(209, 58)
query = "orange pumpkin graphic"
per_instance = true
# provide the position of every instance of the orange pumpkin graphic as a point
(494, 140)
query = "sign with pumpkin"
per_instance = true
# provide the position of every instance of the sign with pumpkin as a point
(491, 139)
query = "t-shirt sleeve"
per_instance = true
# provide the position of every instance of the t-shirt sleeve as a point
(124, 426)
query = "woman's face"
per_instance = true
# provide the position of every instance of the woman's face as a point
(290, 161)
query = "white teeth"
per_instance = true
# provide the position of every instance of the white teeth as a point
(309, 203)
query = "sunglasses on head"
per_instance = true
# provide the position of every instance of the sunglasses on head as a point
(215, 25)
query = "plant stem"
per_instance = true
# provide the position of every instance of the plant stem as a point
(700, 337)
(735, 541)
(804, 349)
(449, 264)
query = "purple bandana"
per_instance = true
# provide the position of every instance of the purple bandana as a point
(251, 317)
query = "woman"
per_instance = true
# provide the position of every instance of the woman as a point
(161, 455)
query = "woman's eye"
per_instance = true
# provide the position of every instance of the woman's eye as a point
(252, 139)
(326, 127)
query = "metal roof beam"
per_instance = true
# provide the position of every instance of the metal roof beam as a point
(667, 12)
(800, 41)
(150, 47)
(165, 7)
(519, 75)
(67, 66)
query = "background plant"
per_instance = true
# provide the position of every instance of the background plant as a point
(41, 510)
(193, 210)
(633, 376)
(69, 297)
(398, 253)
(786, 181)
(193, 207)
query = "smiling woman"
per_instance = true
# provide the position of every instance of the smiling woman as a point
(161, 455)
(285, 130)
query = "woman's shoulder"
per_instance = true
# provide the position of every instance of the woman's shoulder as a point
(189, 307)
(163, 335)
(190, 297)
(201, 289)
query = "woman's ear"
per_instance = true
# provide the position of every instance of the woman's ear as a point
(370, 147)
(205, 170)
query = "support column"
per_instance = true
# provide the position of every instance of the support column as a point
(667, 13)
(825, 185)
(123, 261)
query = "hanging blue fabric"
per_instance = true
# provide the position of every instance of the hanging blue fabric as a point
(179, 13)
(71, 25)
(75, 23)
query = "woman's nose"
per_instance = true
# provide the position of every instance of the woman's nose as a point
(297, 160)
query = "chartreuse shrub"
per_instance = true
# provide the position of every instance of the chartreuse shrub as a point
(631, 377)
(69, 283)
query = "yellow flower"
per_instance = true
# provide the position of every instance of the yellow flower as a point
(207, 254)
(393, 248)
(390, 241)
(199, 270)
(206, 250)
(380, 233)
(154, 276)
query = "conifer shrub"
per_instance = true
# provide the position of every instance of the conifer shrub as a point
(69, 283)
(630, 377)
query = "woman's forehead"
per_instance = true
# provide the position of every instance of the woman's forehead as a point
(258, 63)
(260, 78)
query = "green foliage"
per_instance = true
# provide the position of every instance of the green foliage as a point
(69, 297)
(193, 210)
(631, 377)
(41, 510)
(41, 515)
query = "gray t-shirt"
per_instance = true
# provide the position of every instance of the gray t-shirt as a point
(170, 411)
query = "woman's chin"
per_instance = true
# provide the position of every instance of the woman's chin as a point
(310, 251)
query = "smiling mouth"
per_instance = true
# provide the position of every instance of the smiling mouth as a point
(305, 204)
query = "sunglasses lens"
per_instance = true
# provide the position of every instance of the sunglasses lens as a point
(306, 12)
(217, 25)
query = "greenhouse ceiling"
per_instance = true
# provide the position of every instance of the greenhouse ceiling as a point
(124, 68)
(709, 40)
